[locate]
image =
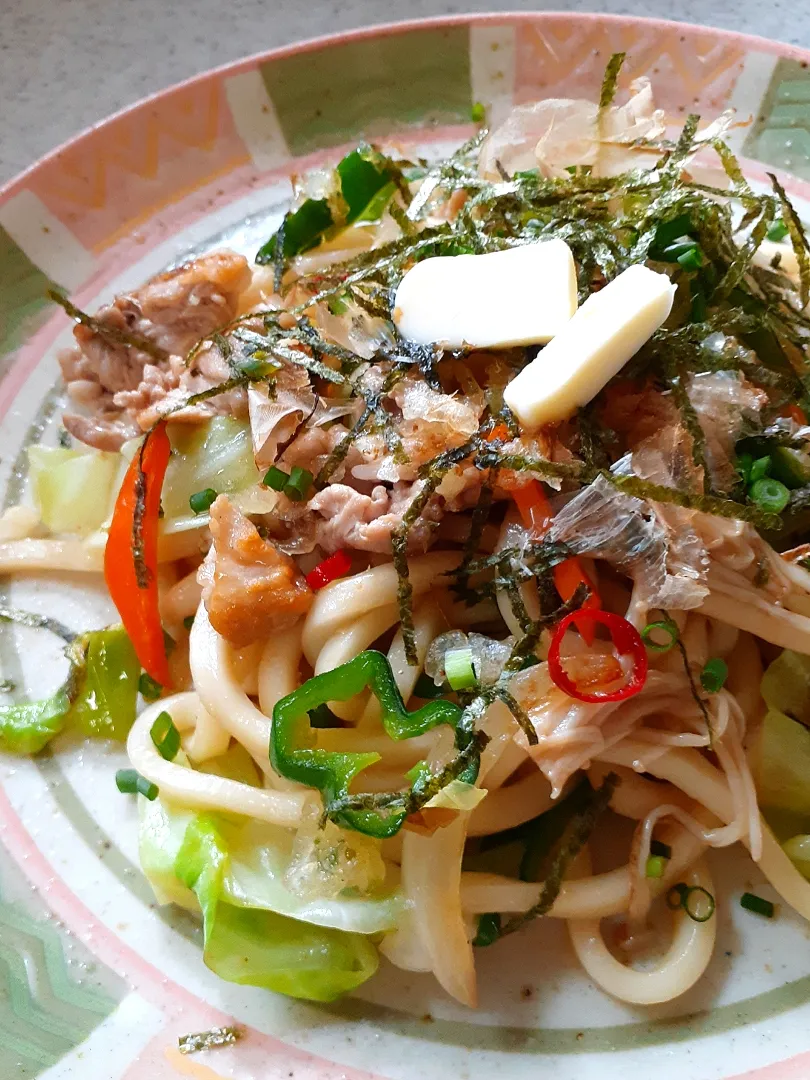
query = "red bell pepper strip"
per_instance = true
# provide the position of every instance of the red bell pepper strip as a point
(336, 566)
(130, 558)
(627, 642)
(535, 509)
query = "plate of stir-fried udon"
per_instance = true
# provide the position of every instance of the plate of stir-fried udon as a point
(407, 610)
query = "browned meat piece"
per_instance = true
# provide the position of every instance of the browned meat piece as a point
(117, 383)
(250, 588)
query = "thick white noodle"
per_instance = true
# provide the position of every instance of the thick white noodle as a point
(348, 642)
(581, 898)
(182, 599)
(201, 790)
(220, 693)
(512, 805)
(36, 555)
(209, 738)
(679, 969)
(692, 773)
(428, 622)
(346, 600)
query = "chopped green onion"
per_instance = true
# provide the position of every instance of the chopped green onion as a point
(698, 903)
(200, 502)
(275, 478)
(165, 736)
(458, 667)
(744, 464)
(656, 865)
(770, 495)
(489, 929)
(759, 468)
(188, 622)
(670, 231)
(426, 688)
(699, 306)
(691, 259)
(130, 782)
(714, 675)
(665, 626)
(336, 305)
(149, 689)
(680, 247)
(757, 904)
(657, 848)
(298, 485)
(258, 368)
(477, 113)
(675, 896)
(778, 231)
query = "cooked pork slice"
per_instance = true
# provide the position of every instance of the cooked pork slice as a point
(347, 518)
(121, 386)
(250, 588)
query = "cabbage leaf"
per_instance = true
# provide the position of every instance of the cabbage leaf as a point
(258, 947)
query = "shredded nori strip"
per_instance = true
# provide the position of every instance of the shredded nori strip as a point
(576, 834)
(209, 1040)
(37, 622)
(111, 334)
(610, 80)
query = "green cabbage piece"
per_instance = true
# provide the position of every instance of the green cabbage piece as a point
(781, 754)
(106, 702)
(27, 728)
(98, 696)
(73, 489)
(216, 455)
(258, 947)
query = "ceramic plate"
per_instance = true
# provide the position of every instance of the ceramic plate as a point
(96, 982)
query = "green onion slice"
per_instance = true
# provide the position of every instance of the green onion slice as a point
(298, 484)
(148, 688)
(757, 904)
(656, 865)
(275, 478)
(489, 929)
(676, 895)
(458, 667)
(698, 903)
(651, 635)
(130, 782)
(165, 736)
(201, 501)
(691, 259)
(770, 495)
(778, 231)
(714, 675)
(478, 112)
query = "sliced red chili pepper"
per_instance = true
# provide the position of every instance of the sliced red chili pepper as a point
(627, 642)
(796, 413)
(535, 509)
(336, 566)
(130, 557)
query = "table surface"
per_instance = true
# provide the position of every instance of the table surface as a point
(65, 64)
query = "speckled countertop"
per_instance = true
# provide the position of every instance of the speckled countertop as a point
(65, 64)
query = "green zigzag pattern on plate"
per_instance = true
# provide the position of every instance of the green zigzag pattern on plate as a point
(371, 87)
(44, 1011)
(23, 289)
(780, 134)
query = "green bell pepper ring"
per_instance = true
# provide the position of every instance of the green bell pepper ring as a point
(293, 752)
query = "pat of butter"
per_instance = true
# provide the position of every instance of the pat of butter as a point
(609, 328)
(519, 296)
